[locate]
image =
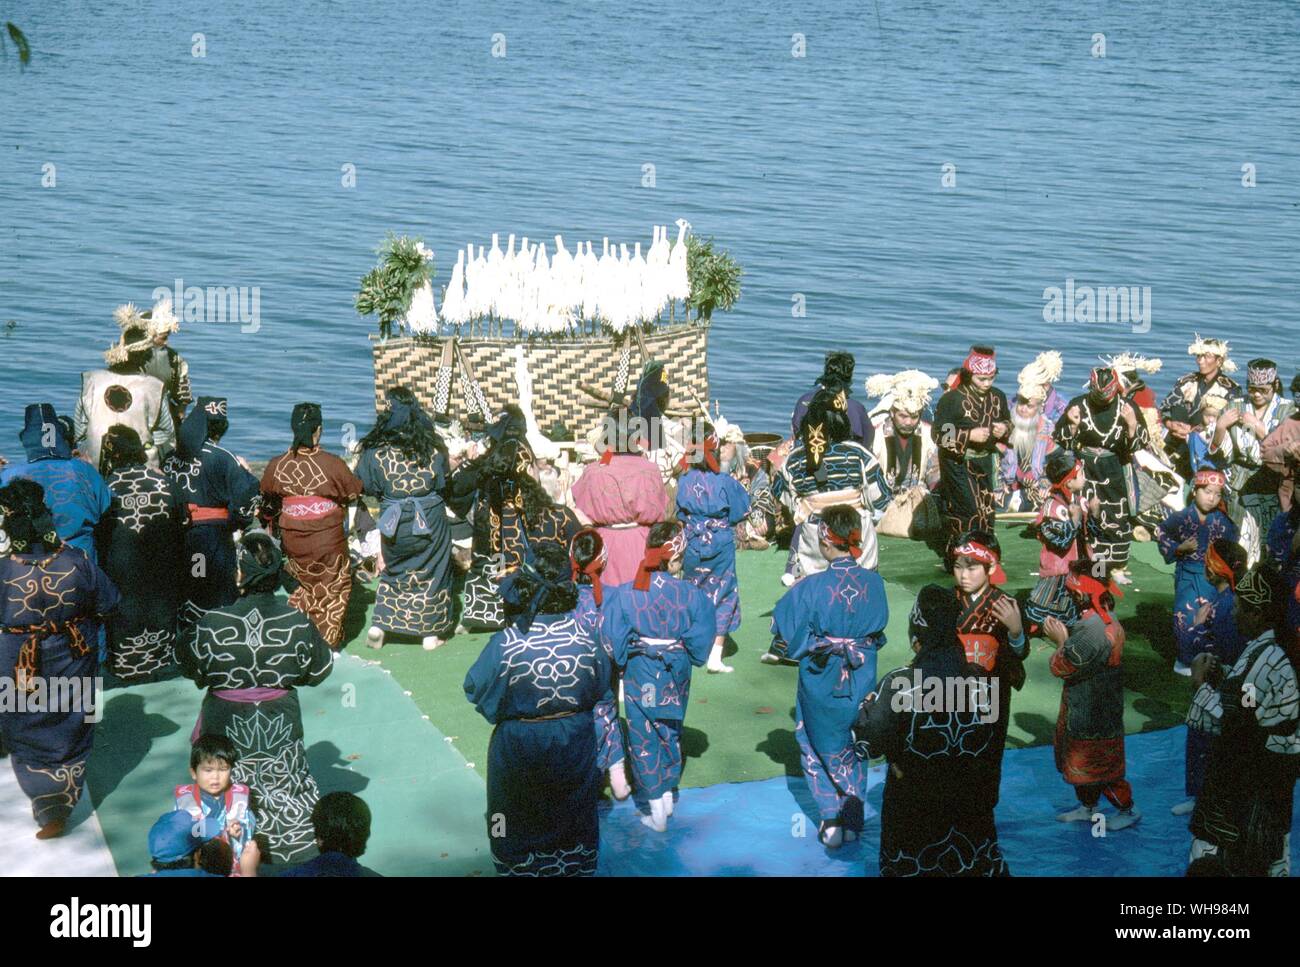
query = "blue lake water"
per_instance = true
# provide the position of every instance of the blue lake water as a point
(821, 174)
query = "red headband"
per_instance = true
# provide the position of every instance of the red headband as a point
(984, 555)
(1094, 589)
(592, 569)
(980, 364)
(852, 543)
(1209, 477)
(1064, 482)
(710, 450)
(1217, 567)
(655, 558)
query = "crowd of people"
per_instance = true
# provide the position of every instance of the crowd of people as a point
(605, 570)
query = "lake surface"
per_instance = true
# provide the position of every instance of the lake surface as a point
(822, 174)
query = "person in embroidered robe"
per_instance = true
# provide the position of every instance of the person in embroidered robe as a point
(837, 379)
(1183, 539)
(1182, 411)
(314, 488)
(710, 504)
(588, 558)
(537, 682)
(1214, 632)
(657, 628)
(935, 723)
(74, 490)
(141, 540)
(1104, 430)
(1236, 448)
(970, 420)
(404, 465)
(53, 599)
(1251, 710)
(622, 494)
(1064, 525)
(512, 515)
(833, 624)
(222, 496)
(826, 467)
(252, 656)
(127, 393)
(989, 624)
(1089, 742)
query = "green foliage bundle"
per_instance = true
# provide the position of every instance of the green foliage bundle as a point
(714, 277)
(386, 289)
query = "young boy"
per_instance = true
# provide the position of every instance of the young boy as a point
(1064, 526)
(176, 847)
(1184, 538)
(222, 806)
(833, 623)
(1090, 728)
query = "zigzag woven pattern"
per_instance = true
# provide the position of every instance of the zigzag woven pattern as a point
(556, 368)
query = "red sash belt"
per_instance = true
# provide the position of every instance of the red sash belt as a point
(308, 508)
(200, 514)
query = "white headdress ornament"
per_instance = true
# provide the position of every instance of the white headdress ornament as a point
(909, 390)
(1217, 347)
(1045, 369)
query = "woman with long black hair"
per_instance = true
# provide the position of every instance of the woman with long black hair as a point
(404, 464)
(512, 513)
(827, 467)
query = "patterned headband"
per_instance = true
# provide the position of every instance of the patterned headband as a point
(1209, 477)
(215, 407)
(984, 555)
(852, 543)
(1261, 375)
(980, 364)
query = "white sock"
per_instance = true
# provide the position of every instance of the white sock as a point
(1183, 808)
(1079, 814)
(375, 637)
(715, 660)
(667, 800)
(658, 819)
(618, 781)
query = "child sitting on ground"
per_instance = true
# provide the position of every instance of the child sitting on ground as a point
(222, 806)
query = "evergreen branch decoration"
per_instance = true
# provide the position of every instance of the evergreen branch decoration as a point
(19, 40)
(405, 264)
(715, 277)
